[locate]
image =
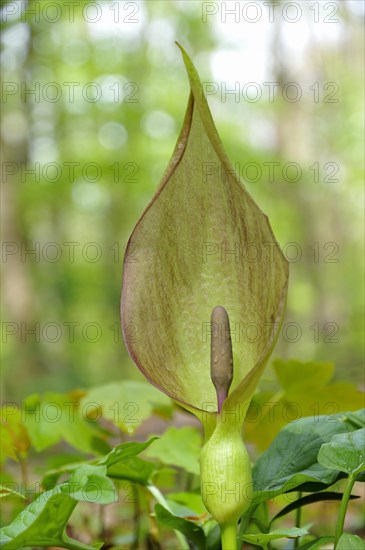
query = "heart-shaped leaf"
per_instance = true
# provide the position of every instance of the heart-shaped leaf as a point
(324, 496)
(291, 460)
(126, 403)
(304, 388)
(345, 452)
(124, 452)
(121, 463)
(179, 447)
(43, 523)
(90, 483)
(51, 417)
(201, 242)
(350, 542)
(188, 528)
(262, 539)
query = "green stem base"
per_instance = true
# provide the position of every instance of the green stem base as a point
(229, 536)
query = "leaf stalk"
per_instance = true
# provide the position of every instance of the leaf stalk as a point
(156, 493)
(343, 508)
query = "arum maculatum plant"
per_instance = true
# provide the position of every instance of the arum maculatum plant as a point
(207, 261)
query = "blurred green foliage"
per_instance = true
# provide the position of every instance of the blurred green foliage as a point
(309, 455)
(69, 292)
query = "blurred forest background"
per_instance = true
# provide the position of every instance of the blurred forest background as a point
(82, 160)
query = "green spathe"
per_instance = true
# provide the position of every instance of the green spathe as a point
(184, 268)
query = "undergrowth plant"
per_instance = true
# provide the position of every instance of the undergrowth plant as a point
(169, 293)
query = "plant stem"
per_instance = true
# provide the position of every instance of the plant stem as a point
(343, 508)
(102, 530)
(245, 519)
(156, 493)
(153, 534)
(229, 536)
(298, 519)
(136, 520)
(24, 475)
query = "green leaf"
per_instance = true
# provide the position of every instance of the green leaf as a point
(193, 501)
(58, 465)
(121, 463)
(345, 452)
(59, 460)
(293, 374)
(124, 452)
(291, 460)
(350, 542)
(317, 543)
(53, 417)
(184, 267)
(42, 523)
(126, 403)
(14, 438)
(263, 538)
(178, 447)
(89, 483)
(309, 499)
(213, 536)
(133, 469)
(51, 477)
(305, 391)
(357, 419)
(7, 449)
(189, 529)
